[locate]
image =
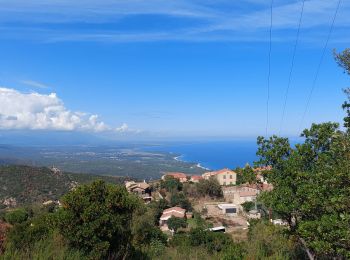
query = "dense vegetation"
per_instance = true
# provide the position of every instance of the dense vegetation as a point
(99, 221)
(29, 185)
(311, 183)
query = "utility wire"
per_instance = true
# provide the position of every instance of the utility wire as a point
(269, 71)
(319, 67)
(291, 67)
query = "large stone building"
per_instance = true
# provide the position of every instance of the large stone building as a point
(224, 177)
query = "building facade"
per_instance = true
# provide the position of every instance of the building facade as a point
(225, 176)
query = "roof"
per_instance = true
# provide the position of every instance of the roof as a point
(196, 177)
(135, 185)
(174, 211)
(176, 174)
(248, 193)
(170, 214)
(178, 209)
(218, 172)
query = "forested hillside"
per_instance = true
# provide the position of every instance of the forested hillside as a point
(27, 184)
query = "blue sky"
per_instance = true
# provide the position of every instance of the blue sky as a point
(161, 68)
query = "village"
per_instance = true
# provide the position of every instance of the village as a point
(228, 211)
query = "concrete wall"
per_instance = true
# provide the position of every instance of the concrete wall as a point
(226, 178)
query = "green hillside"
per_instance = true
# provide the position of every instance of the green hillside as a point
(27, 184)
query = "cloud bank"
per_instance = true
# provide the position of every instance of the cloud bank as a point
(34, 111)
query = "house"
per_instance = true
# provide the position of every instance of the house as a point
(141, 189)
(196, 178)
(176, 175)
(228, 209)
(248, 195)
(241, 194)
(224, 176)
(168, 213)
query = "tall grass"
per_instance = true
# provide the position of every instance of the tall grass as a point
(51, 248)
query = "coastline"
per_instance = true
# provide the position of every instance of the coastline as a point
(198, 165)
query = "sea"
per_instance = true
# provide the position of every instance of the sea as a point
(213, 155)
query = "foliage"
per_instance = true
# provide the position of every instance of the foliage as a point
(270, 241)
(214, 242)
(145, 233)
(158, 207)
(245, 175)
(235, 251)
(311, 184)
(16, 216)
(96, 219)
(52, 247)
(171, 184)
(190, 190)
(179, 199)
(23, 235)
(175, 223)
(343, 60)
(29, 185)
(210, 188)
(248, 206)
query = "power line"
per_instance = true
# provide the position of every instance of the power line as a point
(319, 67)
(292, 67)
(269, 71)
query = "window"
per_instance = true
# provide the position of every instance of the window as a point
(231, 210)
(230, 176)
(224, 176)
(224, 182)
(231, 182)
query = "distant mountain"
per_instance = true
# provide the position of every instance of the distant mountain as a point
(26, 184)
(41, 137)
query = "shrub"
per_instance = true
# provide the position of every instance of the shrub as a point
(96, 219)
(16, 216)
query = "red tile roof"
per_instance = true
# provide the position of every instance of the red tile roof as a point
(174, 209)
(176, 174)
(218, 172)
(196, 177)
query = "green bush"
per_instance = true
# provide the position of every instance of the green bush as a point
(16, 216)
(96, 219)
(175, 223)
(248, 205)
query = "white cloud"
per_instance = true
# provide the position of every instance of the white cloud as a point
(34, 84)
(36, 111)
(123, 128)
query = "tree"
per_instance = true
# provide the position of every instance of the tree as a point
(96, 219)
(210, 188)
(171, 184)
(246, 175)
(248, 205)
(175, 223)
(144, 230)
(267, 241)
(311, 190)
(179, 199)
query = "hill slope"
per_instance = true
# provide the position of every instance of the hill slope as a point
(26, 184)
